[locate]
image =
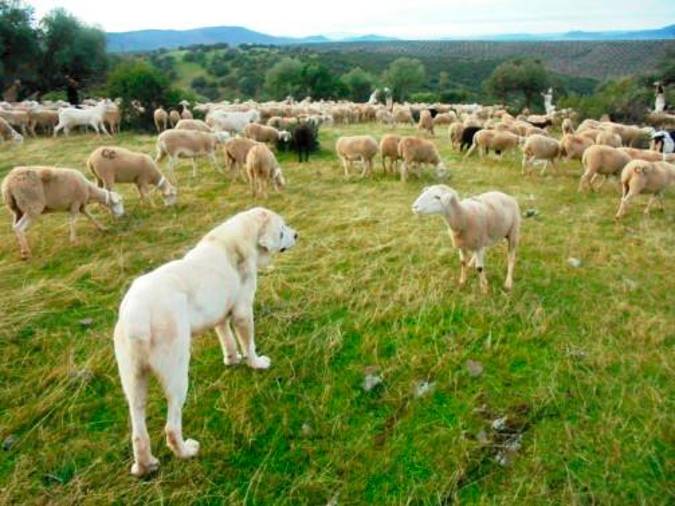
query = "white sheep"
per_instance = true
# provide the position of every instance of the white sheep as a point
(357, 147)
(475, 224)
(232, 121)
(188, 144)
(640, 176)
(71, 117)
(29, 192)
(112, 164)
(540, 147)
(416, 152)
(262, 168)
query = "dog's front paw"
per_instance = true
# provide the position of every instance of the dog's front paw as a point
(191, 448)
(261, 362)
(232, 359)
(139, 470)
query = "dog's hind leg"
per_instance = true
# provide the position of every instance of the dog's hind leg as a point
(227, 342)
(243, 325)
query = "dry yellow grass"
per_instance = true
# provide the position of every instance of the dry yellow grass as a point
(579, 360)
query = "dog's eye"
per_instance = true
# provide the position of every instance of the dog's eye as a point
(437, 197)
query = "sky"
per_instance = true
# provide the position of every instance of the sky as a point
(415, 19)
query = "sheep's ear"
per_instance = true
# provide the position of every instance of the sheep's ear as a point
(446, 198)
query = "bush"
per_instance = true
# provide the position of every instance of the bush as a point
(424, 96)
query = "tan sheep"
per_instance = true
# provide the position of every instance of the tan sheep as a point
(262, 168)
(389, 151)
(426, 122)
(540, 147)
(235, 151)
(601, 160)
(7, 133)
(29, 192)
(265, 134)
(572, 146)
(43, 119)
(567, 126)
(18, 119)
(161, 118)
(455, 131)
(608, 138)
(188, 144)
(402, 115)
(417, 152)
(193, 124)
(640, 176)
(361, 148)
(500, 142)
(445, 118)
(174, 117)
(475, 224)
(648, 155)
(112, 164)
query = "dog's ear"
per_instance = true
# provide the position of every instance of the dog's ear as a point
(268, 235)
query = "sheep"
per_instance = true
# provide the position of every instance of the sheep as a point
(385, 117)
(111, 164)
(358, 147)
(261, 168)
(495, 140)
(161, 118)
(71, 117)
(193, 124)
(174, 117)
(235, 151)
(185, 113)
(389, 150)
(608, 138)
(46, 119)
(455, 134)
(403, 115)
(304, 139)
(112, 117)
(468, 133)
(604, 160)
(475, 224)
(445, 118)
(426, 122)
(7, 133)
(29, 192)
(540, 147)
(416, 152)
(265, 134)
(572, 146)
(232, 121)
(18, 119)
(188, 144)
(648, 155)
(589, 133)
(567, 126)
(641, 176)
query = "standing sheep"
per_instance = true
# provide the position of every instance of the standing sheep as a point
(573, 146)
(161, 118)
(112, 164)
(7, 133)
(604, 160)
(188, 144)
(640, 176)
(193, 124)
(262, 168)
(265, 134)
(174, 117)
(426, 122)
(540, 147)
(235, 151)
(358, 147)
(389, 151)
(475, 224)
(29, 192)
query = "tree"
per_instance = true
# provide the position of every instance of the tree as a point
(359, 84)
(516, 78)
(403, 76)
(284, 78)
(19, 46)
(318, 82)
(71, 48)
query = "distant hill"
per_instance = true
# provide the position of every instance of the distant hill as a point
(149, 40)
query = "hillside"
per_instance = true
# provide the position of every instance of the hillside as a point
(597, 60)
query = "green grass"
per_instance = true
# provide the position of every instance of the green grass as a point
(579, 360)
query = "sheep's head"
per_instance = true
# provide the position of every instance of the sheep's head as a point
(222, 137)
(114, 202)
(278, 178)
(441, 171)
(17, 138)
(434, 200)
(284, 136)
(169, 194)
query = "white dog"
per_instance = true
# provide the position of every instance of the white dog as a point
(213, 285)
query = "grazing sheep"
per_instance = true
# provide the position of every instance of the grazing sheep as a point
(415, 152)
(358, 147)
(385, 117)
(262, 168)
(445, 118)
(607, 138)
(18, 119)
(188, 144)
(468, 133)
(29, 192)
(567, 126)
(71, 117)
(604, 160)
(304, 138)
(193, 124)
(112, 164)
(174, 117)
(455, 134)
(475, 224)
(403, 116)
(498, 141)
(389, 151)
(112, 117)
(572, 146)
(7, 133)
(540, 147)
(235, 151)
(161, 118)
(640, 176)
(265, 134)
(426, 122)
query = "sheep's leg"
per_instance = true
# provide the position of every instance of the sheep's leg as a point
(214, 162)
(584, 181)
(650, 203)
(623, 206)
(524, 164)
(480, 267)
(468, 153)
(511, 258)
(543, 170)
(145, 195)
(74, 213)
(194, 167)
(404, 171)
(364, 167)
(96, 223)
(20, 228)
(345, 165)
(463, 263)
(105, 131)
(170, 171)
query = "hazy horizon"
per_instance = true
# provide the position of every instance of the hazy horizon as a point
(401, 19)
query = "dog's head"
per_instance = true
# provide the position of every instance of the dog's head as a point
(273, 233)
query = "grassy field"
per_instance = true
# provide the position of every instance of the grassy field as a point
(558, 393)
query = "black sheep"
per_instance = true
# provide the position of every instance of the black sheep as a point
(467, 137)
(304, 140)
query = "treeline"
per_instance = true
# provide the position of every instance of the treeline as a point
(38, 56)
